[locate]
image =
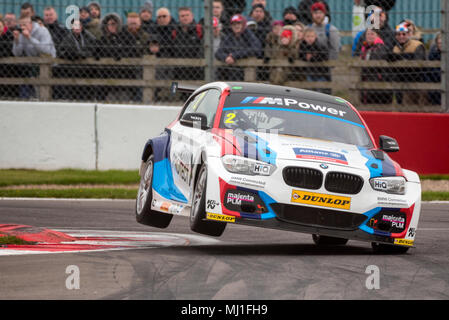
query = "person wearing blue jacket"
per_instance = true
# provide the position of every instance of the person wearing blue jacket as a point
(239, 44)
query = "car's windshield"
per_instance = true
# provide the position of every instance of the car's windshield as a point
(294, 116)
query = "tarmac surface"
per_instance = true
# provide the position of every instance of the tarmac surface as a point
(246, 263)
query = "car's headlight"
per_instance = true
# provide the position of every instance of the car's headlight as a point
(241, 165)
(394, 185)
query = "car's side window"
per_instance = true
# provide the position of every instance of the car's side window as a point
(205, 102)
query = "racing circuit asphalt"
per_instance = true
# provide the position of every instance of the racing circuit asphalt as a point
(245, 263)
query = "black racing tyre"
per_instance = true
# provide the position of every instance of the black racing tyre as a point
(144, 214)
(198, 209)
(381, 248)
(328, 241)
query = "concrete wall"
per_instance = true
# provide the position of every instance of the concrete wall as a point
(50, 136)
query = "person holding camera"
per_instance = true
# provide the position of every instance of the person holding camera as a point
(32, 40)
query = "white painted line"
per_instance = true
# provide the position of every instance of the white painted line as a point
(124, 240)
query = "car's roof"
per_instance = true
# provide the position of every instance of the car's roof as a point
(269, 89)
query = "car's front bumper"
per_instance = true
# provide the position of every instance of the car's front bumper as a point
(270, 203)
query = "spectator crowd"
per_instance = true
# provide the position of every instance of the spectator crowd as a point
(305, 33)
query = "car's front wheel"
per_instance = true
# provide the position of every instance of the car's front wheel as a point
(381, 248)
(328, 241)
(144, 214)
(198, 210)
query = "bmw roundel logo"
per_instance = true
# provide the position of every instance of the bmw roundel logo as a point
(324, 166)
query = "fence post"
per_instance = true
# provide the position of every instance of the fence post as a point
(44, 77)
(149, 75)
(208, 42)
(445, 55)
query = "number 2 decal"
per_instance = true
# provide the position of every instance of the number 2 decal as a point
(230, 118)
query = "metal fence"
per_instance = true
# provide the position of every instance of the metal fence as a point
(134, 50)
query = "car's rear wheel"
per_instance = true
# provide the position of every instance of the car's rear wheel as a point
(328, 241)
(198, 210)
(144, 214)
(382, 248)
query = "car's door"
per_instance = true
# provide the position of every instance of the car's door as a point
(187, 142)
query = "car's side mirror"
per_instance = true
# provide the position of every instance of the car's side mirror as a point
(388, 144)
(195, 120)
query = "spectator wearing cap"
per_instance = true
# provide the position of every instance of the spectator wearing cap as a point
(385, 33)
(374, 49)
(408, 49)
(263, 22)
(328, 34)
(415, 32)
(290, 16)
(146, 16)
(240, 44)
(91, 25)
(304, 11)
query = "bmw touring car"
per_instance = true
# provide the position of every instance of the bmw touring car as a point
(278, 157)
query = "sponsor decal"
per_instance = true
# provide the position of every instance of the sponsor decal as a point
(253, 182)
(322, 200)
(320, 155)
(220, 217)
(396, 221)
(166, 207)
(404, 242)
(211, 204)
(289, 102)
(244, 201)
(237, 198)
(412, 232)
(392, 202)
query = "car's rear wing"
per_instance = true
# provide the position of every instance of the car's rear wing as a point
(176, 87)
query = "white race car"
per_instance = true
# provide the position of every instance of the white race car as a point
(282, 158)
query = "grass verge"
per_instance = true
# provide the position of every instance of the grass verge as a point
(67, 177)
(435, 196)
(13, 240)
